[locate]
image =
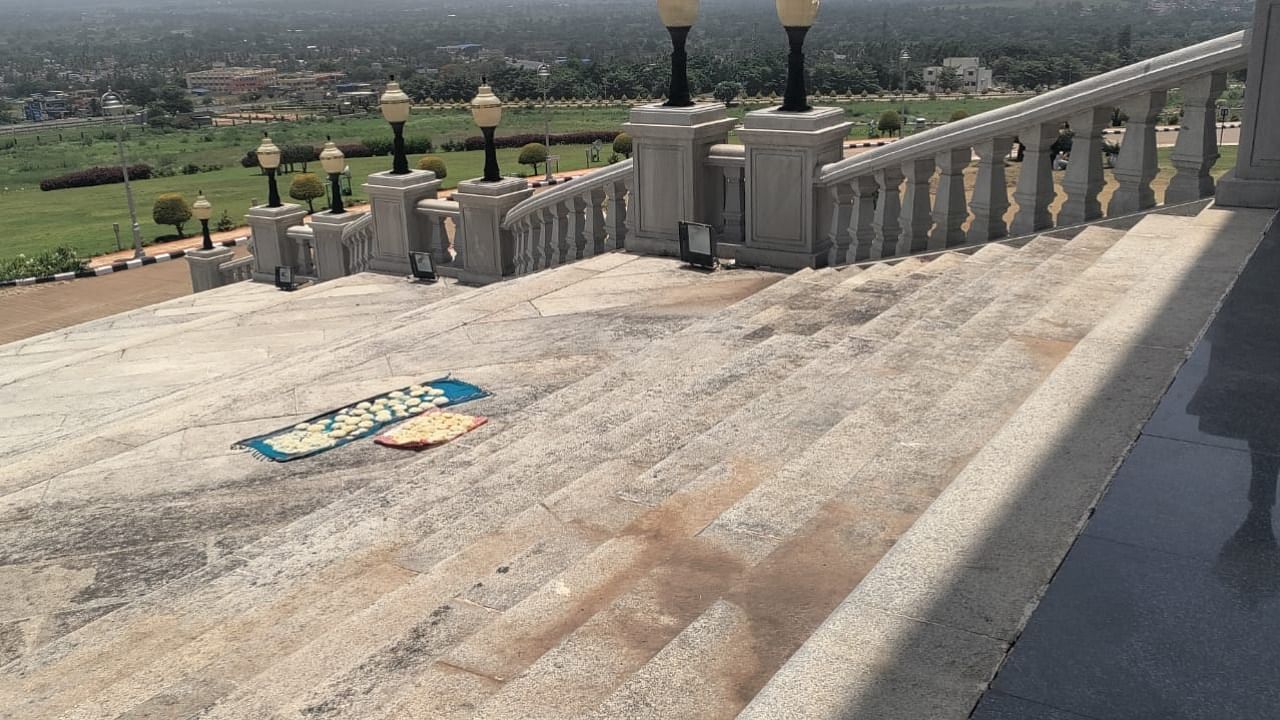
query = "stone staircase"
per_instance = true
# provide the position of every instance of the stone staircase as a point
(673, 514)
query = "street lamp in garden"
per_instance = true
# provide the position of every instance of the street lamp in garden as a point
(269, 160)
(544, 72)
(113, 107)
(396, 106)
(679, 16)
(202, 210)
(486, 110)
(334, 163)
(903, 59)
(797, 17)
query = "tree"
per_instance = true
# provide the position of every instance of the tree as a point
(622, 145)
(307, 187)
(727, 91)
(949, 80)
(436, 165)
(890, 122)
(171, 209)
(959, 115)
(533, 154)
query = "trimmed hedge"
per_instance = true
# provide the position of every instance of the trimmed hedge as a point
(50, 262)
(476, 142)
(93, 176)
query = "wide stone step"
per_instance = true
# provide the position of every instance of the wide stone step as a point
(571, 500)
(929, 625)
(731, 372)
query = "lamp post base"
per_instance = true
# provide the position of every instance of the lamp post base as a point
(273, 190)
(399, 161)
(796, 98)
(678, 96)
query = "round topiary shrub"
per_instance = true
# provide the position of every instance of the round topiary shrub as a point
(436, 165)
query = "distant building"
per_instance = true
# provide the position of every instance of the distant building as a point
(467, 49)
(971, 76)
(48, 106)
(307, 81)
(232, 80)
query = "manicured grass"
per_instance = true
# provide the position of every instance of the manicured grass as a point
(31, 220)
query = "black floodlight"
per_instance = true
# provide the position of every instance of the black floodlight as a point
(284, 278)
(423, 268)
(698, 245)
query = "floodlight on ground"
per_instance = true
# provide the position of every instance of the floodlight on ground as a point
(797, 17)
(698, 245)
(269, 160)
(679, 16)
(486, 110)
(284, 278)
(422, 266)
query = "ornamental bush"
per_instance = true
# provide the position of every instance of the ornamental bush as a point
(476, 142)
(890, 122)
(90, 177)
(171, 209)
(622, 145)
(436, 165)
(306, 187)
(533, 154)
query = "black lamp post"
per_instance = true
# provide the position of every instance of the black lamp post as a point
(797, 17)
(202, 210)
(269, 160)
(486, 110)
(396, 106)
(679, 16)
(334, 162)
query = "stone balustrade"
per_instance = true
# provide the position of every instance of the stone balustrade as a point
(442, 228)
(726, 169)
(584, 218)
(910, 196)
(236, 270)
(304, 239)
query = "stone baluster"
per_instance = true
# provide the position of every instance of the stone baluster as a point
(734, 204)
(440, 241)
(916, 218)
(1138, 164)
(578, 233)
(459, 244)
(599, 233)
(862, 225)
(991, 191)
(951, 208)
(1197, 149)
(559, 250)
(1084, 179)
(616, 218)
(842, 200)
(1035, 191)
(306, 262)
(521, 233)
(888, 213)
(541, 240)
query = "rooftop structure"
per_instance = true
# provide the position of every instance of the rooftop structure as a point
(971, 76)
(233, 80)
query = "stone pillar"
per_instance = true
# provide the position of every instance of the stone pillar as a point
(331, 258)
(204, 267)
(1197, 148)
(1255, 181)
(1138, 164)
(487, 248)
(670, 148)
(272, 246)
(787, 216)
(397, 226)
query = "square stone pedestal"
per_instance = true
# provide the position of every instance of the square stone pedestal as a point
(786, 220)
(204, 266)
(1255, 181)
(271, 244)
(397, 226)
(487, 249)
(672, 180)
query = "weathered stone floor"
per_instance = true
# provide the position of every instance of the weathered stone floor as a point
(699, 496)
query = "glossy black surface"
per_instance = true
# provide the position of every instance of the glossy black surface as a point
(1168, 606)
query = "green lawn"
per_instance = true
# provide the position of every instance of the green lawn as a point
(31, 220)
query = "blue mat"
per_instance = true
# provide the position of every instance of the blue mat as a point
(455, 392)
